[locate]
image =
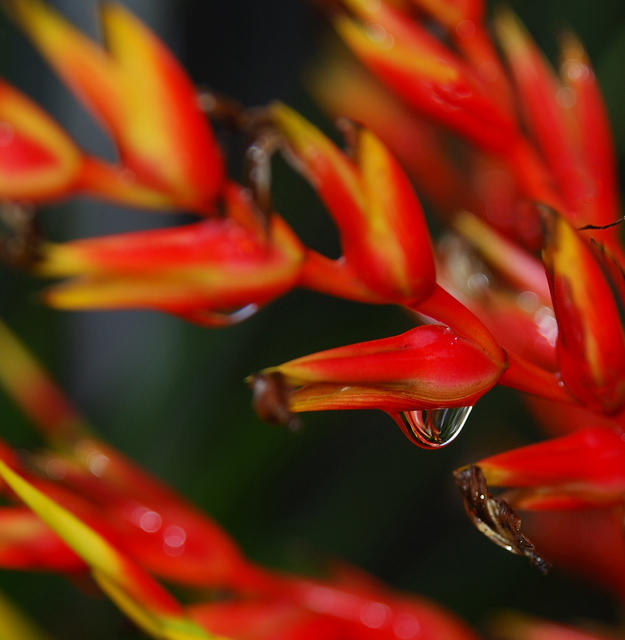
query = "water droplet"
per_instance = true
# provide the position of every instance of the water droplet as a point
(97, 463)
(477, 282)
(146, 519)
(432, 428)
(228, 318)
(174, 538)
(547, 324)
(380, 36)
(566, 98)
(406, 626)
(374, 614)
(573, 70)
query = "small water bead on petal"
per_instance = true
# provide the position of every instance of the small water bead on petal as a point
(146, 519)
(374, 614)
(432, 428)
(406, 626)
(174, 538)
(97, 463)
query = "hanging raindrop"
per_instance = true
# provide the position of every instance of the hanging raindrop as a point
(432, 428)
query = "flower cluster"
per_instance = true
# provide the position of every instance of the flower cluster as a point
(525, 291)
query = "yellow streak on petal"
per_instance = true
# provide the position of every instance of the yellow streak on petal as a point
(34, 123)
(134, 49)
(31, 122)
(83, 64)
(61, 260)
(512, 35)
(90, 546)
(383, 217)
(312, 147)
(567, 245)
(380, 46)
(105, 561)
(201, 285)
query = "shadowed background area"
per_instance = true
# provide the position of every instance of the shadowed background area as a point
(172, 395)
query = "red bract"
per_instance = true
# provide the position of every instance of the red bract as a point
(586, 466)
(591, 342)
(38, 160)
(169, 146)
(27, 543)
(343, 87)
(427, 367)
(213, 272)
(423, 72)
(383, 232)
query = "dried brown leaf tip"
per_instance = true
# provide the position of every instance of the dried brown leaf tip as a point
(19, 236)
(494, 517)
(271, 399)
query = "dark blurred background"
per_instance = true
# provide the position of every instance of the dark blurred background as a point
(172, 395)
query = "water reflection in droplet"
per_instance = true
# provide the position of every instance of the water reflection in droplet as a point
(432, 428)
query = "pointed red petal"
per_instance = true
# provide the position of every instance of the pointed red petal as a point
(591, 460)
(131, 588)
(171, 141)
(212, 265)
(383, 231)
(37, 159)
(544, 103)
(27, 543)
(344, 88)
(141, 94)
(421, 70)
(591, 132)
(591, 343)
(516, 265)
(426, 367)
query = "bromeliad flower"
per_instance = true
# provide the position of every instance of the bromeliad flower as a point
(488, 309)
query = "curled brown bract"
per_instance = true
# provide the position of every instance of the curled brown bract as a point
(20, 239)
(494, 517)
(271, 399)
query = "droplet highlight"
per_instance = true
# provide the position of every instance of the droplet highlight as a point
(432, 428)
